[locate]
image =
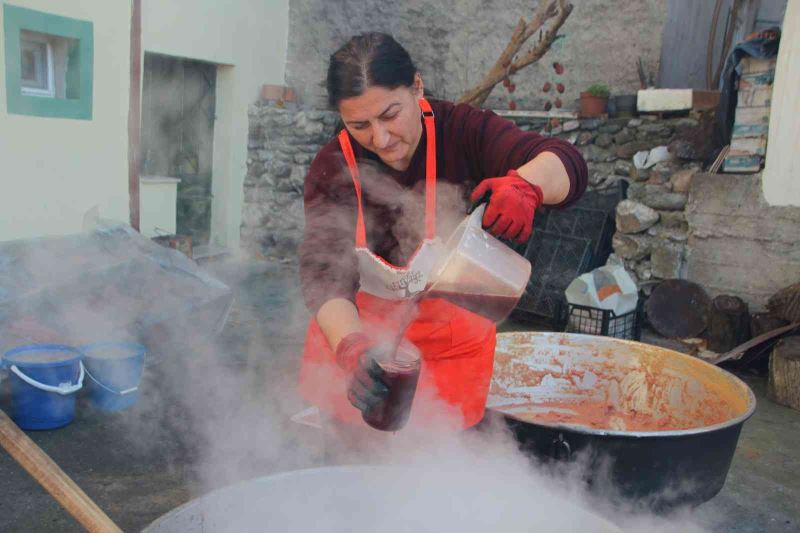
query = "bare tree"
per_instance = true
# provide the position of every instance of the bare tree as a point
(554, 11)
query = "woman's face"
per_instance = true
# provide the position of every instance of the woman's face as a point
(386, 122)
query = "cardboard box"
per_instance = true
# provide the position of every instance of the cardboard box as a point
(752, 115)
(278, 93)
(751, 65)
(754, 95)
(762, 79)
(703, 100)
(742, 163)
(750, 130)
(749, 145)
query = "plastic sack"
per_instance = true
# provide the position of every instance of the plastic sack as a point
(108, 282)
(608, 287)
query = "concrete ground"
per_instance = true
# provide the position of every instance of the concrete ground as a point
(140, 464)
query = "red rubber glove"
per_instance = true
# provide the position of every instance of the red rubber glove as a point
(512, 204)
(356, 353)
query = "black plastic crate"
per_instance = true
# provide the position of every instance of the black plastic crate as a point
(604, 199)
(556, 261)
(595, 225)
(565, 244)
(589, 320)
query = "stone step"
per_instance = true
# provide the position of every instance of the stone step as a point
(208, 252)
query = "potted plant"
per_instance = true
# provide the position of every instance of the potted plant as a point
(594, 100)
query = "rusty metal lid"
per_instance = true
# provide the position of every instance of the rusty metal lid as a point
(678, 309)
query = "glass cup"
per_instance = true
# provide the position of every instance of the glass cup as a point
(400, 375)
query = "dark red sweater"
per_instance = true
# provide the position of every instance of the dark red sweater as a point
(471, 144)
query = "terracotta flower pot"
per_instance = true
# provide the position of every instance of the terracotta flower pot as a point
(278, 93)
(592, 106)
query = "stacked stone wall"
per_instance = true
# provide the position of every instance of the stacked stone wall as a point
(652, 230)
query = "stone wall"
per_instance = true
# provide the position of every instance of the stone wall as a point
(738, 244)
(652, 226)
(652, 230)
(716, 230)
(455, 42)
(282, 143)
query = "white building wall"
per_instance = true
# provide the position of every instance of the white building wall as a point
(248, 40)
(53, 170)
(781, 178)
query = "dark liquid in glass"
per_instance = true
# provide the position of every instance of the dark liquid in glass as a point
(494, 308)
(401, 378)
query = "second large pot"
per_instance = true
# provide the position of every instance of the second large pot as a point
(348, 499)
(654, 425)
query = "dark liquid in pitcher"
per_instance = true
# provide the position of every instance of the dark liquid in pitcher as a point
(494, 308)
(401, 379)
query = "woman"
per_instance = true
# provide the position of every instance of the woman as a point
(371, 233)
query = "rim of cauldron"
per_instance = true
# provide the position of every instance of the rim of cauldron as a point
(751, 397)
(170, 515)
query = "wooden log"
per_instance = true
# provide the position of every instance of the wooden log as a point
(784, 373)
(728, 324)
(761, 323)
(736, 353)
(785, 303)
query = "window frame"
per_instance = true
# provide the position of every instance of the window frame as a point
(50, 91)
(80, 79)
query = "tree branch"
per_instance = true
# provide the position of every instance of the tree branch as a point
(548, 38)
(505, 64)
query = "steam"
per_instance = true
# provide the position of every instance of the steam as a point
(224, 403)
(239, 401)
(244, 431)
(408, 205)
(440, 476)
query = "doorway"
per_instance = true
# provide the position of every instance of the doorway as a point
(177, 139)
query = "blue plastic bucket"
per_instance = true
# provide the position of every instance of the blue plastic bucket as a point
(44, 379)
(114, 370)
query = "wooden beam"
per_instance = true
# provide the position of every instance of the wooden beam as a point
(134, 111)
(50, 476)
(567, 115)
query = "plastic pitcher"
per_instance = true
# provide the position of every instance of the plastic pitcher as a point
(479, 272)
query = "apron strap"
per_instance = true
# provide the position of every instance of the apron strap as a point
(347, 149)
(430, 169)
(430, 176)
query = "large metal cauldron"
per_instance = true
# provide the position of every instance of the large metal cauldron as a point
(660, 426)
(370, 498)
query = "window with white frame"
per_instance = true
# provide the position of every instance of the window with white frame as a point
(44, 64)
(36, 65)
(48, 63)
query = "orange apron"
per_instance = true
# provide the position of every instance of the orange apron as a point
(457, 345)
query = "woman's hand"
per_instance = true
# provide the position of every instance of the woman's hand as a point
(358, 354)
(512, 204)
